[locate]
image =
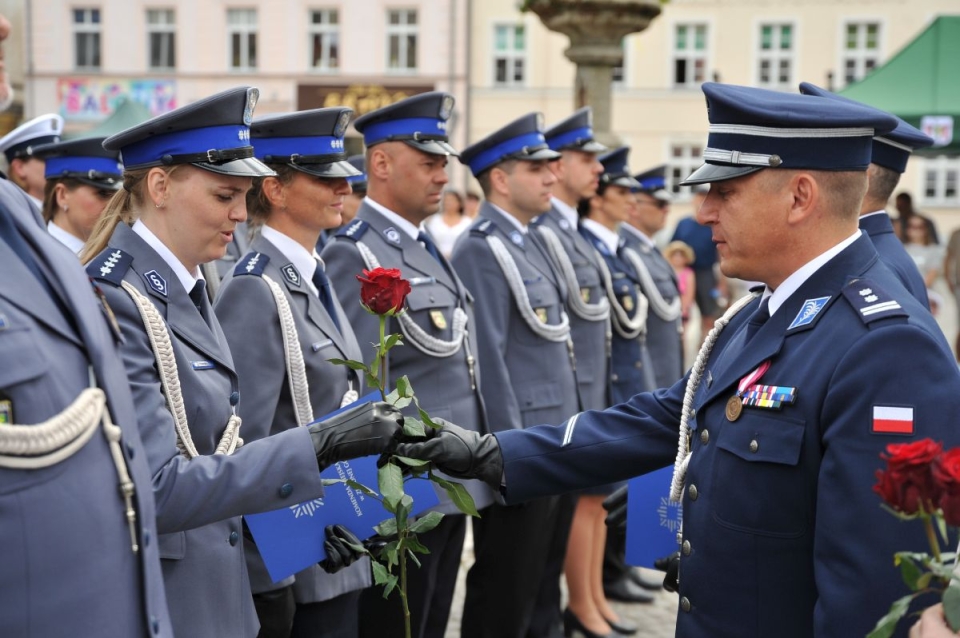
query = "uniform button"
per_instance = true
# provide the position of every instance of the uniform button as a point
(614, 377)
(686, 548)
(154, 624)
(754, 446)
(704, 437)
(146, 538)
(431, 299)
(234, 538)
(286, 490)
(693, 414)
(638, 365)
(693, 492)
(234, 398)
(685, 604)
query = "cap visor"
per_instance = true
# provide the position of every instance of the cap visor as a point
(718, 173)
(332, 170)
(540, 154)
(593, 146)
(626, 182)
(663, 195)
(433, 147)
(249, 167)
(105, 185)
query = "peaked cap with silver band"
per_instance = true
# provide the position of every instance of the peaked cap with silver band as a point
(654, 183)
(212, 134)
(521, 139)
(752, 129)
(575, 133)
(84, 160)
(23, 140)
(358, 182)
(308, 141)
(891, 150)
(419, 121)
(615, 169)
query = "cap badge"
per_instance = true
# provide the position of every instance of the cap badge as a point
(291, 274)
(155, 281)
(342, 124)
(253, 95)
(446, 107)
(392, 235)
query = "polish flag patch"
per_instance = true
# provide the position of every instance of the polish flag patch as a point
(892, 420)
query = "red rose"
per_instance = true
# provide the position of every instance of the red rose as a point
(383, 291)
(946, 472)
(908, 480)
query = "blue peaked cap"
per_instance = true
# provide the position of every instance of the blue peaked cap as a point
(615, 169)
(419, 121)
(575, 133)
(359, 181)
(652, 180)
(309, 141)
(521, 139)
(752, 129)
(82, 159)
(891, 150)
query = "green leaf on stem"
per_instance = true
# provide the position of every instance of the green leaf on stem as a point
(426, 522)
(887, 624)
(413, 557)
(350, 363)
(458, 494)
(942, 528)
(327, 482)
(951, 605)
(380, 573)
(403, 387)
(924, 581)
(390, 551)
(360, 487)
(394, 340)
(401, 403)
(909, 570)
(390, 478)
(393, 397)
(426, 418)
(413, 427)
(375, 366)
(414, 545)
(371, 380)
(386, 527)
(406, 460)
(391, 583)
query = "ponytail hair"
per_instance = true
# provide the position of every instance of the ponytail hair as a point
(259, 205)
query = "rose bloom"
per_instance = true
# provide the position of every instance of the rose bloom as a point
(908, 481)
(946, 472)
(383, 291)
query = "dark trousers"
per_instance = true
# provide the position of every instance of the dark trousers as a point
(334, 618)
(429, 588)
(275, 611)
(546, 621)
(511, 544)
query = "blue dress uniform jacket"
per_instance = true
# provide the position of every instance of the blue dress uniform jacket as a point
(782, 534)
(67, 567)
(894, 255)
(199, 500)
(248, 315)
(589, 337)
(527, 379)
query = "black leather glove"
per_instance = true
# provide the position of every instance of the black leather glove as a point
(671, 565)
(338, 547)
(616, 506)
(369, 428)
(460, 453)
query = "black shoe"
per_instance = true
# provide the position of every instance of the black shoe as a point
(572, 626)
(654, 582)
(627, 591)
(623, 627)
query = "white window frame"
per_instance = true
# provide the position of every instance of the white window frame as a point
(860, 54)
(162, 28)
(679, 168)
(244, 29)
(775, 55)
(330, 33)
(941, 169)
(511, 55)
(88, 27)
(401, 31)
(689, 55)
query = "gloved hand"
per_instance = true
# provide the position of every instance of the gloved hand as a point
(460, 453)
(616, 506)
(338, 547)
(369, 428)
(671, 565)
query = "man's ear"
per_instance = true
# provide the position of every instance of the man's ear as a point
(498, 181)
(805, 197)
(379, 164)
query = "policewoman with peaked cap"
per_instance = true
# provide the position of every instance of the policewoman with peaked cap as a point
(23, 167)
(185, 181)
(82, 176)
(279, 297)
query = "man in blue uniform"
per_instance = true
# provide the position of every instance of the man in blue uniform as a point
(781, 534)
(889, 156)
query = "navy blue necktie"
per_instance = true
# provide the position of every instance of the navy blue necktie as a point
(322, 282)
(196, 294)
(758, 318)
(431, 247)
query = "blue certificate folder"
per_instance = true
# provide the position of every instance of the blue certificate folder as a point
(653, 520)
(291, 539)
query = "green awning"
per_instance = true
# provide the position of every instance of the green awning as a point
(128, 113)
(921, 84)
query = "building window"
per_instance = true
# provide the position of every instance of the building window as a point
(325, 39)
(689, 55)
(242, 28)
(86, 38)
(775, 56)
(941, 181)
(402, 40)
(161, 36)
(618, 73)
(684, 159)
(861, 49)
(509, 55)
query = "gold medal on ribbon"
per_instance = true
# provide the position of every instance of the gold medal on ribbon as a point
(734, 408)
(439, 321)
(628, 303)
(585, 295)
(541, 314)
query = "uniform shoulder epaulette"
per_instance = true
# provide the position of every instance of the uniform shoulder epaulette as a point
(354, 230)
(110, 266)
(483, 227)
(872, 302)
(252, 264)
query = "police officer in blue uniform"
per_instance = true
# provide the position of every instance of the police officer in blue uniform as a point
(186, 176)
(23, 167)
(81, 176)
(778, 429)
(407, 153)
(889, 157)
(526, 352)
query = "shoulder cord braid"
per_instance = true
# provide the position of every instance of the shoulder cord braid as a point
(31, 447)
(599, 311)
(156, 330)
(558, 333)
(415, 335)
(666, 311)
(696, 372)
(625, 326)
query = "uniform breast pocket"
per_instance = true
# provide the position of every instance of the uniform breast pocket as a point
(759, 483)
(539, 403)
(431, 307)
(545, 302)
(21, 358)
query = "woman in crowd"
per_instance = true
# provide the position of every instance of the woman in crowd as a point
(449, 223)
